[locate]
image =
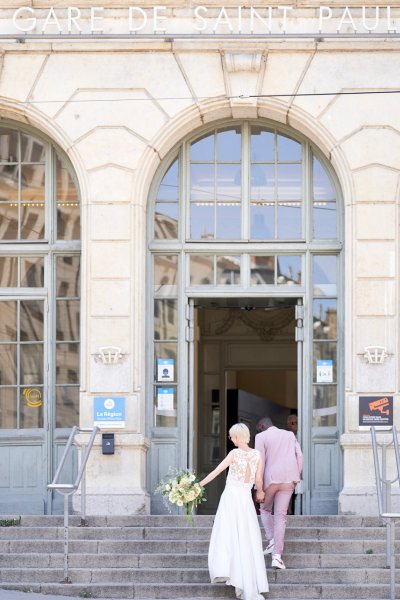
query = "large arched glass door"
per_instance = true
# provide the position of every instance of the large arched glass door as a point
(39, 316)
(244, 211)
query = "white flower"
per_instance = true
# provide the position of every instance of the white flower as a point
(179, 503)
(167, 487)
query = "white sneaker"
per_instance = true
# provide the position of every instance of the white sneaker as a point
(277, 562)
(270, 548)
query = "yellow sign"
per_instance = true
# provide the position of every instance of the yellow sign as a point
(33, 397)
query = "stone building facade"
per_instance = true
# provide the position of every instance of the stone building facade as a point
(118, 107)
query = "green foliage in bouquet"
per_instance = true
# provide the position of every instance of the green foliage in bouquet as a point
(182, 488)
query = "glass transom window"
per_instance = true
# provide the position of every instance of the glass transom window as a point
(246, 182)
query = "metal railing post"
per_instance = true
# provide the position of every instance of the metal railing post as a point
(68, 489)
(83, 500)
(66, 540)
(384, 495)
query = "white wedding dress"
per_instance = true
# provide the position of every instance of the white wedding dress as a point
(235, 555)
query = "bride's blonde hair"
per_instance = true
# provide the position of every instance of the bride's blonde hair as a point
(240, 431)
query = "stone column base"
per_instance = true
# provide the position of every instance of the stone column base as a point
(115, 484)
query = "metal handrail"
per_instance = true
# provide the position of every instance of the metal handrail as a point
(68, 489)
(384, 495)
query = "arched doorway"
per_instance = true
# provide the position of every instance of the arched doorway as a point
(39, 315)
(245, 241)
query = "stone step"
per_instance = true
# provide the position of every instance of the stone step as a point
(169, 591)
(182, 533)
(190, 576)
(107, 561)
(372, 546)
(180, 521)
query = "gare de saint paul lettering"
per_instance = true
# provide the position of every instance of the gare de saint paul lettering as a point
(202, 19)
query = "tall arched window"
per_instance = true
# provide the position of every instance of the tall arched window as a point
(39, 300)
(244, 209)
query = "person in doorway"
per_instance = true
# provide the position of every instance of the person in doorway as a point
(235, 555)
(283, 463)
(292, 424)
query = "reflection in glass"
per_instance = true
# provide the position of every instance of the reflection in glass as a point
(228, 221)
(9, 146)
(322, 186)
(325, 351)
(262, 145)
(202, 182)
(32, 221)
(32, 149)
(68, 203)
(9, 176)
(8, 321)
(8, 221)
(262, 220)
(8, 271)
(166, 274)
(169, 186)
(262, 182)
(228, 270)
(8, 408)
(165, 350)
(289, 182)
(8, 364)
(31, 364)
(67, 363)
(262, 270)
(289, 221)
(324, 219)
(31, 320)
(67, 406)
(201, 269)
(68, 276)
(166, 221)
(165, 406)
(67, 320)
(165, 319)
(32, 271)
(288, 270)
(324, 275)
(203, 149)
(229, 182)
(229, 144)
(288, 149)
(202, 220)
(33, 201)
(324, 406)
(325, 319)
(31, 408)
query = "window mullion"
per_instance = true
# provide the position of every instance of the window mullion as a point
(245, 202)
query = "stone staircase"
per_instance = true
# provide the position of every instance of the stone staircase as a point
(151, 557)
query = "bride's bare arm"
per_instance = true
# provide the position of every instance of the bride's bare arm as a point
(221, 467)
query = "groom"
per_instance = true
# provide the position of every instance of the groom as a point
(283, 463)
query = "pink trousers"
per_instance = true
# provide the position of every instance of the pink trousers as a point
(277, 495)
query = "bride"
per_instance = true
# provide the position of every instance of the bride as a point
(235, 555)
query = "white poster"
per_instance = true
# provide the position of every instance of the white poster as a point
(165, 399)
(324, 371)
(165, 369)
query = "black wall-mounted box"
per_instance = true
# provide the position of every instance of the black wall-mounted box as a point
(107, 443)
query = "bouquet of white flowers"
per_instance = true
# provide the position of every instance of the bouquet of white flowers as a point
(182, 488)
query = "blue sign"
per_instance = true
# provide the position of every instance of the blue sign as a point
(109, 411)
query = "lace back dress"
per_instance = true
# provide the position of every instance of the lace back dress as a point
(235, 555)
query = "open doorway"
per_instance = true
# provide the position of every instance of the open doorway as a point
(245, 367)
